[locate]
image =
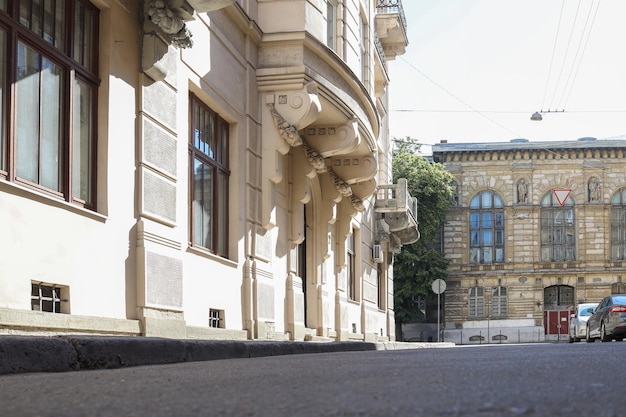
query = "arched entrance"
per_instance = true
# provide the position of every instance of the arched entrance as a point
(558, 302)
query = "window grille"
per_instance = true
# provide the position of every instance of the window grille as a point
(216, 318)
(46, 298)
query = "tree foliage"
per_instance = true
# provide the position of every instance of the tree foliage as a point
(419, 264)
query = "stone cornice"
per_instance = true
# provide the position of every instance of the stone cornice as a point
(539, 154)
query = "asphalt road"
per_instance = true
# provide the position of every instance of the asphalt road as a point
(552, 380)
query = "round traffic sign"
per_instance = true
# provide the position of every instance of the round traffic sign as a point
(439, 286)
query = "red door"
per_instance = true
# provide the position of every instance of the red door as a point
(556, 321)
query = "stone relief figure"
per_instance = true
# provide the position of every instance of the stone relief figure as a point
(594, 190)
(455, 194)
(522, 191)
(170, 24)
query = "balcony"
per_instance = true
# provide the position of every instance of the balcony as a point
(391, 27)
(396, 211)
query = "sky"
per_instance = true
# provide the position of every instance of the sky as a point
(476, 70)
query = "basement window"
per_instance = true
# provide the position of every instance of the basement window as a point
(49, 298)
(216, 318)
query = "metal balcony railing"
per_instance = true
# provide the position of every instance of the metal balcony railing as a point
(390, 7)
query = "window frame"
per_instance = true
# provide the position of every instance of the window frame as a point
(557, 238)
(57, 47)
(476, 302)
(217, 159)
(351, 287)
(618, 226)
(499, 301)
(331, 24)
(486, 228)
(53, 295)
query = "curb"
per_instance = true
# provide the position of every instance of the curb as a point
(21, 354)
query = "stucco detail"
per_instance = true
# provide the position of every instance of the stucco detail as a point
(167, 23)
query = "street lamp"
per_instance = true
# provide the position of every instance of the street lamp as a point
(538, 115)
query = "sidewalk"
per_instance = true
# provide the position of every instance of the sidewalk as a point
(19, 354)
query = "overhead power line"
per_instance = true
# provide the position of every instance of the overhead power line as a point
(473, 109)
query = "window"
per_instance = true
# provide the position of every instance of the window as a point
(331, 24)
(558, 296)
(618, 226)
(476, 302)
(209, 173)
(350, 268)
(48, 298)
(363, 39)
(51, 144)
(486, 228)
(216, 318)
(382, 288)
(557, 229)
(498, 302)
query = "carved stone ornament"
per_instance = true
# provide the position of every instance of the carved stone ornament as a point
(357, 203)
(315, 159)
(171, 27)
(288, 132)
(291, 135)
(342, 187)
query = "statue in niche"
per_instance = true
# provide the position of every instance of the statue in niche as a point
(522, 191)
(455, 194)
(594, 190)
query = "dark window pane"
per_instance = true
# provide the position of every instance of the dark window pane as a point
(475, 238)
(487, 238)
(475, 203)
(499, 219)
(474, 220)
(51, 146)
(27, 107)
(82, 144)
(79, 32)
(487, 220)
(486, 199)
(222, 217)
(499, 238)
(3, 51)
(202, 204)
(487, 255)
(475, 255)
(59, 24)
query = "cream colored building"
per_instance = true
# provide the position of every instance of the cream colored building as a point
(536, 228)
(199, 168)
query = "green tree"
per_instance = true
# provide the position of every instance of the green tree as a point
(419, 264)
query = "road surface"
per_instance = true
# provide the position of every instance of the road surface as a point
(551, 380)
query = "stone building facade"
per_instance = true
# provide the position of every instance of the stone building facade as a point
(199, 168)
(534, 229)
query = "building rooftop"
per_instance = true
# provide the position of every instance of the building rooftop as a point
(523, 144)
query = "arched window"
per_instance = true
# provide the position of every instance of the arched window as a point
(557, 229)
(498, 302)
(618, 225)
(486, 228)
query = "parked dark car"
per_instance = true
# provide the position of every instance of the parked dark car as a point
(609, 320)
